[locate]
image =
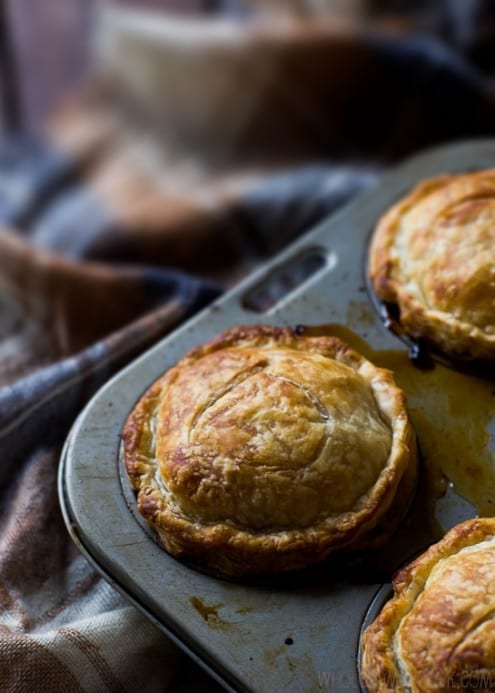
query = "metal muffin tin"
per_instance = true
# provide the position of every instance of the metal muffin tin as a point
(297, 633)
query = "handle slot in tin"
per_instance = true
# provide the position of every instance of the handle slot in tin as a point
(283, 280)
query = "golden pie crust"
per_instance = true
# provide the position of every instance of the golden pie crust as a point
(433, 256)
(264, 451)
(438, 631)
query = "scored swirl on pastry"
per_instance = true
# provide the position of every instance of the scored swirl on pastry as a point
(437, 633)
(433, 255)
(263, 450)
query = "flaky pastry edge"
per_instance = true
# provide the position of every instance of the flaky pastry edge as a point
(236, 551)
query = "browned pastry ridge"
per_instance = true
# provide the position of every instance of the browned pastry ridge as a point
(438, 631)
(433, 255)
(263, 451)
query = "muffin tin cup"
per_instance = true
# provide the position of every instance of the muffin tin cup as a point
(297, 632)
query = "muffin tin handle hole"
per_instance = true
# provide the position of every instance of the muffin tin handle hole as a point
(284, 279)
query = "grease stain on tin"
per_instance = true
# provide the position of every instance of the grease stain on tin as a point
(271, 654)
(360, 313)
(208, 612)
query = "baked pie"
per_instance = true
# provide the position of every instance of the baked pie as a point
(265, 450)
(437, 633)
(433, 256)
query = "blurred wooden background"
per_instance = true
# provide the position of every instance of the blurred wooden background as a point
(44, 43)
(44, 50)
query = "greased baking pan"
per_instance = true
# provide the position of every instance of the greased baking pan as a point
(298, 632)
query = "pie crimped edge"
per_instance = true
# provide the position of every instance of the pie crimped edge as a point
(236, 550)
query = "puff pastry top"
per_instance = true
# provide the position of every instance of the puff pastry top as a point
(264, 451)
(438, 631)
(433, 254)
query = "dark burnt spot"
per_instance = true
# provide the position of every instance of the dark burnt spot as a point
(289, 641)
(390, 314)
(420, 356)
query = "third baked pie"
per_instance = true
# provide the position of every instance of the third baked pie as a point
(438, 631)
(264, 450)
(433, 256)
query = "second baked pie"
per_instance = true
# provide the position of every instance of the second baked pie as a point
(264, 450)
(433, 256)
(438, 631)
